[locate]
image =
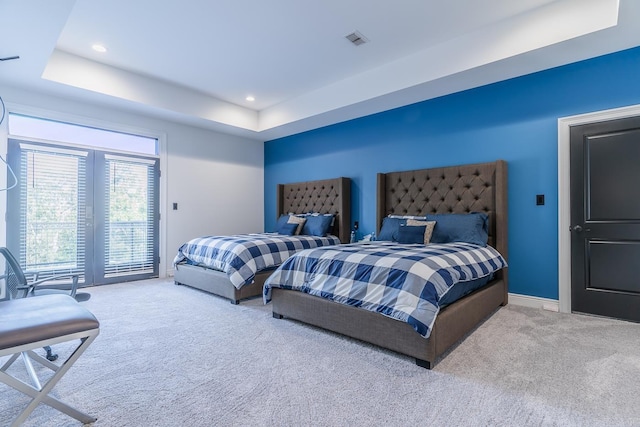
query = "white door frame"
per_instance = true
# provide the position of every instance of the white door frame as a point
(564, 192)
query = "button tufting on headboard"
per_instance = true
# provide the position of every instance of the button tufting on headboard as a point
(323, 196)
(456, 189)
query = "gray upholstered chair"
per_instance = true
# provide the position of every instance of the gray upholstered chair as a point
(33, 317)
(18, 286)
(30, 323)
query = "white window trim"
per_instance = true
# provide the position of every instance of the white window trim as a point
(97, 123)
(40, 148)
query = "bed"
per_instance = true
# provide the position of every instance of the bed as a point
(480, 188)
(324, 197)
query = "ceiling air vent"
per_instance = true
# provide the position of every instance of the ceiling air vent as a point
(356, 38)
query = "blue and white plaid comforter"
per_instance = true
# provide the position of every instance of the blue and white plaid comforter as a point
(401, 281)
(241, 256)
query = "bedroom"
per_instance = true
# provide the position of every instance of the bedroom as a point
(515, 120)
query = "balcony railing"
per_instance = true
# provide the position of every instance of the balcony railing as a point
(127, 242)
(53, 246)
(59, 246)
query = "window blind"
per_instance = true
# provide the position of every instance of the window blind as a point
(130, 226)
(52, 210)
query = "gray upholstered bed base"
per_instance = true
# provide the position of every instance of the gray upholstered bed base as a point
(457, 189)
(217, 282)
(452, 323)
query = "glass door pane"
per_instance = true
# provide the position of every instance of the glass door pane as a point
(52, 202)
(130, 211)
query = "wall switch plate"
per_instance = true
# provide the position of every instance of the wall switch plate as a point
(540, 199)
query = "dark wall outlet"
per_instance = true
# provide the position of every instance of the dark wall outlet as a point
(539, 199)
(175, 206)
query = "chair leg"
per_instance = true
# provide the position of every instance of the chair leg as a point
(41, 360)
(31, 371)
(10, 362)
(41, 395)
(51, 356)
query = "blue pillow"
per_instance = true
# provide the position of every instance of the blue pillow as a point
(288, 229)
(281, 221)
(471, 228)
(317, 225)
(411, 234)
(390, 228)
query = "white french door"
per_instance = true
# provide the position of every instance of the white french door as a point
(85, 211)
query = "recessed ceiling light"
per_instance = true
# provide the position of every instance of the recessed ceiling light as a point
(99, 48)
(250, 98)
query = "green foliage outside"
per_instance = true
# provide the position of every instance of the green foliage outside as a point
(128, 213)
(52, 210)
(55, 212)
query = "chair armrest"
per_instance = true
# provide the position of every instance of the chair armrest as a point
(73, 286)
(31, 276)
(26, 289)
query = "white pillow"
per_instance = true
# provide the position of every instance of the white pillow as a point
(418, 217)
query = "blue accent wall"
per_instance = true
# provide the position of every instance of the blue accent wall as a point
(515, 120)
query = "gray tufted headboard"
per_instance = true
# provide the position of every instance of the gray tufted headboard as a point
(322, 196)
(480, 187)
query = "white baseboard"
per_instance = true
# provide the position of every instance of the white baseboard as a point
(534, 302)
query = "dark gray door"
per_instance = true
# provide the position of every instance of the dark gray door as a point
(605, 218)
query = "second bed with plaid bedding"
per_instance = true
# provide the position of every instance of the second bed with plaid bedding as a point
(241, 256)
(402, 281)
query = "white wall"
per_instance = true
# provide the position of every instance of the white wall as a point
(216, 179)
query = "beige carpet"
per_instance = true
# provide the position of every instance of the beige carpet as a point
(173, 356)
